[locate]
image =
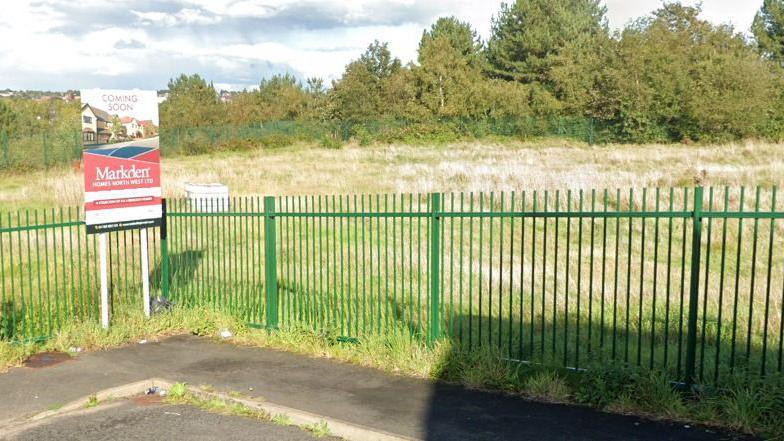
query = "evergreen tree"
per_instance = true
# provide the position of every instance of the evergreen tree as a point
(528, 35)
(450, 65)
(768, 29)
(544, 43)
(192, 102)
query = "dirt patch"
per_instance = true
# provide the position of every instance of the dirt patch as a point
(46, 359)
(148, 400)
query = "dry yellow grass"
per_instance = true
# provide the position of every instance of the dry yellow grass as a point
(474, 166)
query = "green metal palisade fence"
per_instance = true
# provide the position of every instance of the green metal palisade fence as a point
(688, 282)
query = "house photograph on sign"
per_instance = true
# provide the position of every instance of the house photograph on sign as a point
(119, 117)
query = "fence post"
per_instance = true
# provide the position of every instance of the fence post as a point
(694, 287)
(6, 155)
(270, 266)
(434, 328)
(45, 148)
(164, 232)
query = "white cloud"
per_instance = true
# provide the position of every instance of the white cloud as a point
(49, 44)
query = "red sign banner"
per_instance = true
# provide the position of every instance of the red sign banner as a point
(122, 188)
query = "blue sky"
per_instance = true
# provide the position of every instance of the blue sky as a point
(66, 44)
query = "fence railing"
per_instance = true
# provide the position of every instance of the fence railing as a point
(689, 282)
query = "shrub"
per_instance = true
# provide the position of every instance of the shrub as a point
(362, 135)
(276, 140)
(330, 142)
(603, 384)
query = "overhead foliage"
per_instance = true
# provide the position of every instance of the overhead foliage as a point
(669, 76)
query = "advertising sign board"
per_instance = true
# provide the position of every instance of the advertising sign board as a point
(122, 174)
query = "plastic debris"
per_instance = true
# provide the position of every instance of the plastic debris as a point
(162, 393)
(141, 342)
(152, 390)
(160, 304)
(73, 349)
(225, 333)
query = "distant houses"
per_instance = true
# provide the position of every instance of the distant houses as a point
(148, 128)
(132, 127)
(98, 127)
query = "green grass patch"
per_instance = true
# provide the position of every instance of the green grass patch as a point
(319, 430)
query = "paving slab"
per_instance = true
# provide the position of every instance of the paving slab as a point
(410, 407)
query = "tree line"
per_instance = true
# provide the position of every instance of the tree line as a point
(668, 76)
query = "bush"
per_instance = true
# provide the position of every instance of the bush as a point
(276, 140)
(362, 135)
(330, 142)
(602, 384)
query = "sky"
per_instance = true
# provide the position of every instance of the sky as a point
(67, 44)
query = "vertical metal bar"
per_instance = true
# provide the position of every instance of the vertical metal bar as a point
(707, 284)
(11, 271)
(364, 280)
(511, 271)
(387, 311)
(655, 278)
(452, 267)
(435, 266)
(590, 274)
(479, 277)
(694, 286)
(604, 272)
(38, 277)
(566, 278)
(579, 278)
(724, 222)
(460, 282)
(735, 305)
(378, 267)
(628, 279)
(163, 231)
(753, 278)
(683, 283)
(642, 279)
(615, 277)
(555, 274)
(470, 270)
(500, 275)
(544, 276)
(10, 305)
(411, 263)
(270, 263)
(533, 267)
(419, 266)
(522, 273)
(767, 287)
(668, 283)
(29, 312)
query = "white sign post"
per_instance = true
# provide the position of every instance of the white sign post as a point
(104, 281)
(145, 273)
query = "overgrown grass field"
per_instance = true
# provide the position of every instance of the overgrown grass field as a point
(556, 291)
